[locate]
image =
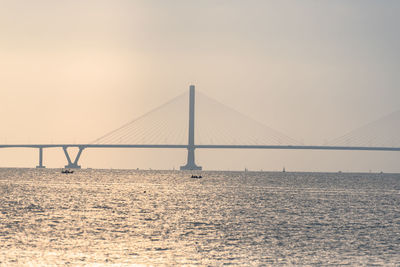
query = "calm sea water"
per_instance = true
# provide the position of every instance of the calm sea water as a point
(123, 217)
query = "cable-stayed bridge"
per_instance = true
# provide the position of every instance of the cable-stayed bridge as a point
(212, 125)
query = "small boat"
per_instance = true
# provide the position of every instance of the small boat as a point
(67, 171)
(196, 176)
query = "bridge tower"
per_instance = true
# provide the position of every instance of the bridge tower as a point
(191, 165)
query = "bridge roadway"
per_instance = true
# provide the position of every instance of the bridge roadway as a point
(285, 147)
(81, 147)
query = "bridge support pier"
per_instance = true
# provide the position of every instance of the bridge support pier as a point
(40, 166)
(191, 165)
(73, 165)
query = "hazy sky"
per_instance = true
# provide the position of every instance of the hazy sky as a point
(72, 70)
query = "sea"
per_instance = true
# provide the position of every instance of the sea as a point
(166, 218)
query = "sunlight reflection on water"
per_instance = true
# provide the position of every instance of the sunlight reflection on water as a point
(163, 217)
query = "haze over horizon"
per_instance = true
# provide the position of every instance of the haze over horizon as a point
(72, 71)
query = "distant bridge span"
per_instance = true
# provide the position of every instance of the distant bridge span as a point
(81, 147)
(190, 146)
(277, 147)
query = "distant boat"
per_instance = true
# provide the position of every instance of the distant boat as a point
(196, 176)
(67, 171)
(283, 170)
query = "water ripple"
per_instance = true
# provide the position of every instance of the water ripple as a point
(227, 218)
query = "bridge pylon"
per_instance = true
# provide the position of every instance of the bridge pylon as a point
(191, 164)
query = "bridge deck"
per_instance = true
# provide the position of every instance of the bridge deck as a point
(354, 148)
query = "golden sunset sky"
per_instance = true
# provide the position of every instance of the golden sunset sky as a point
(71, 71)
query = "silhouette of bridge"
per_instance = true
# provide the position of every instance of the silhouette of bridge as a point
(218, 127)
